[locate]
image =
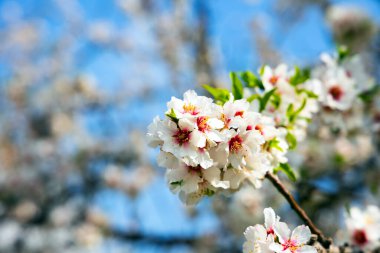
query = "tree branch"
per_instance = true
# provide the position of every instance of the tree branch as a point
(326, 242)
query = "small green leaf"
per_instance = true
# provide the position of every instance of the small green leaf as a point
(289, 110)
(276, 101)
(209, 192)
(292, 140)
(274, 143)
(172, 116)
(177, 183)
(253, 97)
(343, 53)
(237, 86)
(261, 70)
(309, 93)
(252, 80)
(219, 94)
(265, 99)
(300, 76)
(368, 96)
(285, 167)
(291, 114)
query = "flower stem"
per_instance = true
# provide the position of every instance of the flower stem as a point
(326, 242)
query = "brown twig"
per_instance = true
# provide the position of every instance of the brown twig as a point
(326, 242)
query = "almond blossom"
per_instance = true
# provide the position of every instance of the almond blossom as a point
(363, 227)
(291, 242)
(258, 237)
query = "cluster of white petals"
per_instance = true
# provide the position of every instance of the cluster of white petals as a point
(297, 97)
(208, 147)
(363, 227)
(342, 81)
(275, 236)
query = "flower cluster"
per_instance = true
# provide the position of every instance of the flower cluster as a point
(275, 236)
(294, 98)
(208, 147)
(343, 78)
(363, 227)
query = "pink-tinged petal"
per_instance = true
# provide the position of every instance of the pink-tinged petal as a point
(301, 234)
(270, 218)
(282, 231)
(307, 249)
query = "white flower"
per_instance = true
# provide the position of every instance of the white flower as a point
(259, 238)
(364, 227)
(184, 144)
(277, 77)
(291, 242)
(338, 86)
(234, 112)
(240, 148)
(192, 105)
(194, 180)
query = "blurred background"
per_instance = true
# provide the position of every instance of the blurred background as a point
(80, 80)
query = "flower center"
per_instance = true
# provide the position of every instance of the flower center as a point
(273, 80)
(225, 120)
(336, 92)
(202, 123)
(182, 137)
(260, 129)
(239, 113)
(190, 108)
(194, 170)
(290, 245)
(235, 144)
(360, 237)
(270, 231)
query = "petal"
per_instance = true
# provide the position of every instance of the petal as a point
(187, 124)
(307, 249)
(270, 217)
(215, 123)
(276, 247)
(197, 139)
(249, 233)
(282, 231)
(301, 234)
(260, 233)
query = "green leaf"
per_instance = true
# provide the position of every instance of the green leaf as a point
(300, 76)
(289, 110)
(209, 192)
(368, 96)
(265, 99)
(343, 53)
(261, 70)
(309, 93)
(292, 140)
(219, 94)
(274, 143)
(253, 97)
(252, 80)
(289, 172)
(172, 116)
(237, 86)
(291, 114)
(177, 183)
(276, 101)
